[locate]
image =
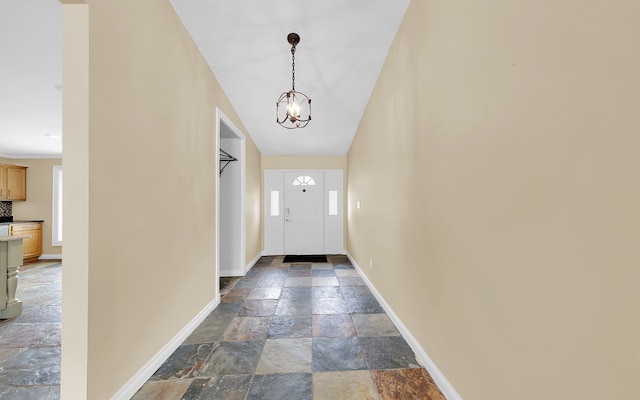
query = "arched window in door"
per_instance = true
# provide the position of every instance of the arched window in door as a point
(304, 180)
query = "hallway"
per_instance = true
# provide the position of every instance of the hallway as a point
(294, 331)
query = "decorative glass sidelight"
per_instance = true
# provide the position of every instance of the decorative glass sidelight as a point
(275, 203)
(333, 202)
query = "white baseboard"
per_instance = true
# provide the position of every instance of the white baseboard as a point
(224, 273)
(252, 262)
(240, 271)
(50, 257)
(139, 379)
(421, 355)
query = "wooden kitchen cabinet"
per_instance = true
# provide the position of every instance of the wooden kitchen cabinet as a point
(32, 247)
(13, 182)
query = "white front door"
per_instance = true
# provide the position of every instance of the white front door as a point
(303, 212)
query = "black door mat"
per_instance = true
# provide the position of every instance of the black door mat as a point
(301, 259)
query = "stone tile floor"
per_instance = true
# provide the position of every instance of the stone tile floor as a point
(30, 342)
(285, 331)
(294, 331)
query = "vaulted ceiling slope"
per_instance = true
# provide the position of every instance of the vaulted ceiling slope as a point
(343, 46)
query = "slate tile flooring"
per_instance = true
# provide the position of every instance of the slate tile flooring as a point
(294, 331)
(30, 342)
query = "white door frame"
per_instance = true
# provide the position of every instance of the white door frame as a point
(239, 269)
(274, 179)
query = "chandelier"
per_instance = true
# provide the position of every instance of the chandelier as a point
(292, 106)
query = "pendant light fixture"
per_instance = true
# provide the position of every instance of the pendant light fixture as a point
(292, 106)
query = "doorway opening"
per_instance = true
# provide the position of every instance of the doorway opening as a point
(230, 199)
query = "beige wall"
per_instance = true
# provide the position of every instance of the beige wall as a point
(253, 201)
(39, 197)
(505, 230)
(304, 162)
(144, 190)
(75, 148)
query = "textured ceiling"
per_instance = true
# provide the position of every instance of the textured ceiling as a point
(342, 49)
(341, 52)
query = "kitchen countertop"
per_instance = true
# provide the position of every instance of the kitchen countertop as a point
(9, 238)
(22, 221)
